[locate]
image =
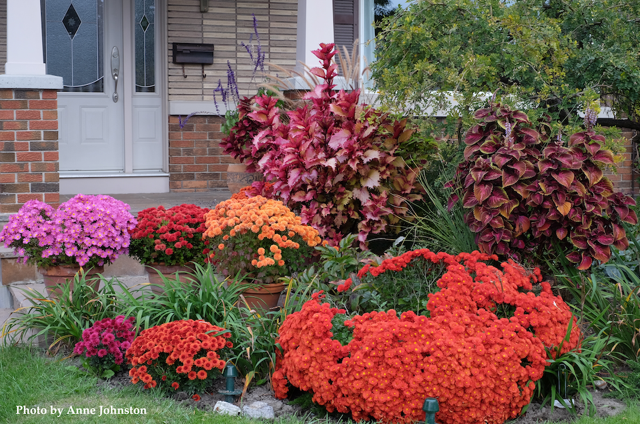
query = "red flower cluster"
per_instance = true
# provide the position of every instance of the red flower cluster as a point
(171, 236)
(194, 344)
(480, 367)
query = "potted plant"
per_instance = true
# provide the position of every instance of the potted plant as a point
(259, 240)
(82, 235)
(167, 241)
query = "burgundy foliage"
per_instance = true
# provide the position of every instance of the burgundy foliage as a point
(526, 192)
(332, 159)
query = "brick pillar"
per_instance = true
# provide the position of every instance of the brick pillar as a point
(28, 148)
(196, 161)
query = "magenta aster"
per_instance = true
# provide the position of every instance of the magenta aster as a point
(86, 230)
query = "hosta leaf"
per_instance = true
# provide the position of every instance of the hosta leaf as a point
(488, 147)
(482, 191)
(469, 151)
(618, 231)
(521, 117)
(474, 135)
(564, 177)
(519, 166)
(497, 222)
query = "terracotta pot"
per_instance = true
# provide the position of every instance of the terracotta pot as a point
(56, 276)
(238, 177)
(170, 272)
(264, 296)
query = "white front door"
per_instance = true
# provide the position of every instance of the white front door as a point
(109, 111)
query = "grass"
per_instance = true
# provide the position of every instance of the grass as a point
(28, 378)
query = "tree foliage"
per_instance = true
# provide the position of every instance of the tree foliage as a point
(542, 56)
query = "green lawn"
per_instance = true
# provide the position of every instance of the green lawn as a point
(29, 379)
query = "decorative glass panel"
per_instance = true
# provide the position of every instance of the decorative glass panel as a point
(73, 41)
(144, 29)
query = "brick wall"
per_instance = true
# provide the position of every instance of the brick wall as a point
(28, 148)
(196, 161)
(625, 180)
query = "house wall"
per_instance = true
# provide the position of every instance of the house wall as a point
(3, 34)
(196, 161)
(626, 178)
(226, 25)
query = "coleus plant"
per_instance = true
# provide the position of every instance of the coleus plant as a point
(526, 192)
(337, 162)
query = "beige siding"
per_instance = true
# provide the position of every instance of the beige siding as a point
(226, 25)
(3, 34)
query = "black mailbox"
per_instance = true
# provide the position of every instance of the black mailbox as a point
(193, 53)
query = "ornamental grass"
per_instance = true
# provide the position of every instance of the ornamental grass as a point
(258, 238)
(479, 353)
(156, 352)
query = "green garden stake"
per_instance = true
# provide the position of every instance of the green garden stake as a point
(430, 408)
(230, 373)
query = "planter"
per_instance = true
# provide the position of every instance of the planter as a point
(170, 272)
(264, 297)
(238, 177)
(56, 276)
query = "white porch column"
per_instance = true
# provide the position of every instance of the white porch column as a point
(25, 68)
(24, 38)
(315, 26)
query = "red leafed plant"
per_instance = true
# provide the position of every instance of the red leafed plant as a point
(479, 353)
(337, 162)
(526, 192)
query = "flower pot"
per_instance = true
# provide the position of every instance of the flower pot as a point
(55, 277)
(264, 296)
(238, 177)
(170, 272)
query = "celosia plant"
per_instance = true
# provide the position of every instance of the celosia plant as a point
(85, 231)
(338, 162)
(178, 355)
(105, 343)
(527, 193)
(479, 353)
(170, 236)
(259, 239)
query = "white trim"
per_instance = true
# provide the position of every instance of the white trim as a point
(107, 174)
(315, 26)
(184, 107)
(128, 79)
(162, 63)
(24, 38)
(114, 184)
(36, 82)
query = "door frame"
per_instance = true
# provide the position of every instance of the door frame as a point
(129, 181)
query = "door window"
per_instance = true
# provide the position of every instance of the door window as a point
(73, 43)
(144, 28)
